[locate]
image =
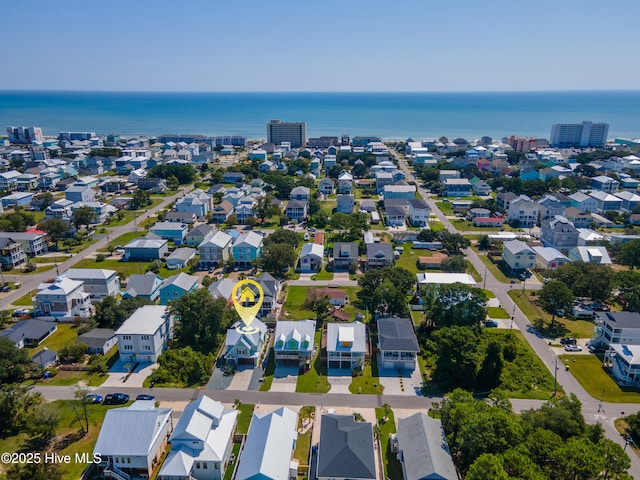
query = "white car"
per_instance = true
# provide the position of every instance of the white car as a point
(572, 348)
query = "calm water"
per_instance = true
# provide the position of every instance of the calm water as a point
(388, 115)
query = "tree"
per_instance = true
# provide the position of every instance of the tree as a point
(83, 216)
(615, 459)
(35, 471)
(232, 220)
(79, 407)
(455, 364)
(487, 466)
(45, 200)
(586, 279)
(453, 242)
(111, 314)
(184, 173)
(318, 304)
(283, 236)
(202, 320)
(155, 266)
(484, 243)
(278, 257)
(455, 304)
(183, 366)
(388, 300)
(629, 254)
(15, 404)
(402, 280)
(454, 263)
(141, 199)
(554, 296)
(14, 362)
(17, 221)
(562, 416)
(42, 422)
(206, 281)
(428, 235)
(73, 353)
(491, 369)
(5, 317)
(173, 183)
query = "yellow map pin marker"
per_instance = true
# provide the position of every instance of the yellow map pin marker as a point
(247, 292)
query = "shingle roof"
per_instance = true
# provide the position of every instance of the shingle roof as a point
(346, 448)
(397, 334)
(142, 284)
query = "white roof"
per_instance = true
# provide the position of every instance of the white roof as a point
(590, 254)
(516, 246)
(630, 353)
(313, 249)
(549, 253)
(251, 238)
(354, 334)
(89, 273)
(297, 330)
(604, 197)
(399, 188)
(61, 285)
(144, 321)
(220, 239)
(445, 278)
(181, 280)
(267, 451)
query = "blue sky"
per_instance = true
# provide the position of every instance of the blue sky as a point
(330, 45)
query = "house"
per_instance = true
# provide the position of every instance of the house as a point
(145, 249)
(457, 187)
(99, 340)
(524, 211)
(435, 261)
(132, 440)
(199, 234)
(216, 250)
(29, 333)
(591, 254)
(180, 257)
(222, 288)
(33, 243)
(101, 211)
(232, 177)
(518, 255)
(311, 257)
(145, 334)
(605, 184)
(481, 188)
(618, 328)
(271, 290)
(269, 447)
(487, 222)
(503, 199)
(444, 278)
(59, 209)
(221, 212)
(406, 192)
(336, 296)
(18, 199)
(630, 201)
(379, 255)
(345, 254)
(201, 442)
(395, 215)
(326, 186)
(9, 180)
(64, 298)
(244, 348)
(586, 236)
(247, 247)
(624, 361)
(345, 203)
(11, 254)
(550, 207)
(181, 217)
(558, 232)
(154, 185)
(297, 210)
(98, 282)
(346, 345)
(548, 258)
(300, 193)
(143, 285)
(79, 194)
(294, 341)
(197, 202)
(579, 218)
(345, 182)
(423, 450)
(346, 449)
(397, 343)
(583, 202)
(45, 358)
(26, 182)
(176, 286)
(606, 202)
(419, 213)
(175, 232)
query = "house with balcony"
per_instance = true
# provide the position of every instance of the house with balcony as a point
(293, 342)
(517, 255)
(98, 282)
(579, 218)
(630, 200)
(60, 209)
(617, 328)
(524, 211)
(145, 334)
(199, 234)
(311, 257)
(419, 213)
(9, 180)
(216, 250)
(64, 298)
(397, 343)
(345, 203)
(197, 202)
(17, 199)
(133, 440)
(606, 202)
(345, 182)
(175, 232)
(247, 247)
(326, 186)
(221, 212)
(583, 202)
(605, 184)
(379, 255)
(550, 207)
(395, 215)
(242, 348)
(346, 345)
(297, 210)
(11, 254)
(457, 187)
(559, 232)
(300, 193)
(344, 254)
(405, 192)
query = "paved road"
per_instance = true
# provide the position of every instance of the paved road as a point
(30, 282)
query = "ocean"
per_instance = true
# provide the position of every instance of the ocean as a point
(387, 115)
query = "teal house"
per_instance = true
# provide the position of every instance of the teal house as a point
(176, 286)
(247, 247)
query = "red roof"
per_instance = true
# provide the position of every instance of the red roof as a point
(319, 238)
(489, 220)
(35, 230)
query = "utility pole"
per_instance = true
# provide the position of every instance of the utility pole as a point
(484, 282)
(555, 379)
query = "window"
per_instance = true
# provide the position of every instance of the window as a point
(205, 465)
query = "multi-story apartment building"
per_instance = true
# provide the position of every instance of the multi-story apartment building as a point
(293, 132)
(585, 134)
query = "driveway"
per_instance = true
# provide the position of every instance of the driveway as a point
(118, 373)
(339, 379)
(400, 382)
(285, 379)
(241, 378)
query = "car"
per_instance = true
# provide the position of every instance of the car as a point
(115, 399)
(211, 270)
(93, 398)
(567, 341)
(144, 396)
(306, 237)
(491, 324)
(560, 312)
(5, 288)
(18, 312)
(312, 230)
(572, 348)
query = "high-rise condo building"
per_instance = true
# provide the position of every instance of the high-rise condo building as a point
(24, 134)
(293, 132)
(585, 134)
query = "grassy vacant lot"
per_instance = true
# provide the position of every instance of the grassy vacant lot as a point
(368, 382)
(323, 275)
(386, 423)
(471, 270)
(574, 328)
(596, 381)
(59, 259)
(297, 295)
(244, 417)
(303, 444)
(446, 208)
(315, 380)
(495, 270)
(66, 334)
(124, 239)
(497, 312)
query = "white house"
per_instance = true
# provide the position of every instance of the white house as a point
(549, 258)
(591, 254)
(201, 442)
(419, 213)
(618, 328)
(64, 298)
(346, 345)
(518, 255)
(133, 439)
(524, 210)
(268, 450)
(145, 334)
(97, 282)
(311, 257)
(215, 250)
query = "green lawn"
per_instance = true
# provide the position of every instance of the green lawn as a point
(386, 423)
(323, 275)
(315, 380)
(58, 259)
(24, 301)
(17, 271)
(495, 269)
(124, 239)
(436, 226)
(303, 446)
(588, 370)
(296, 296)
(367, 382)
(66, 334)
(489, 294)
(231, 465)
(445, 207)
(574, 328)
(269, 372)
(244, 417)
(471, 270)
(497, 312)
(409, 258)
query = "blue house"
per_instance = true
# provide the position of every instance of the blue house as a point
(176, 286)
(175, 232)
(247, 247)
(19, 199)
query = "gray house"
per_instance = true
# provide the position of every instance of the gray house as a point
(379, 254)
(145, 249)
(143, 285)
(99, 340)
(345, 254)
(397, 343)
(559, 232)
